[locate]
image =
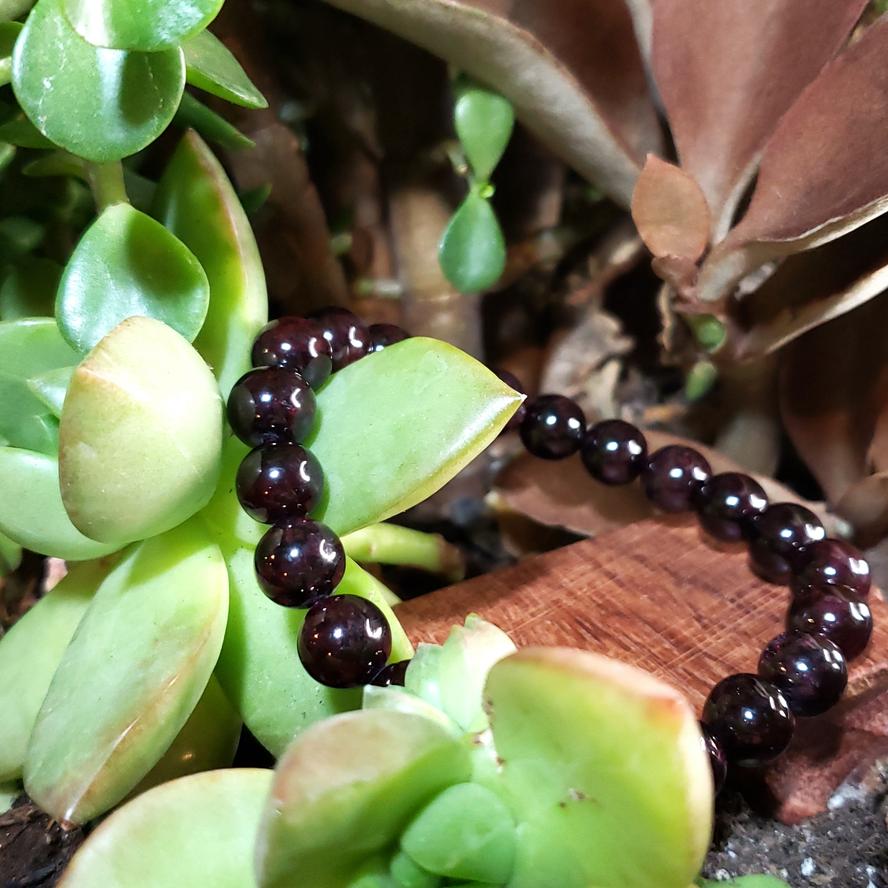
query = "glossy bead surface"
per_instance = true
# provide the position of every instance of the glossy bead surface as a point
(384, 335)
(614, 452)
(349, 339)
(809, 670)
(393, 674)
(777, 537)
(296, 344)
(299, 562)
(673, 475)
(726, 504)
(552, 427)
(277, 481)
(847, 623)
(513, 382)
(750, 718)
(832, 563)
(717, 759)
(271, 405)
(344, 641)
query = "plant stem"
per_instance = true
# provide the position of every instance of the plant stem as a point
(393, 544)
(106, 182)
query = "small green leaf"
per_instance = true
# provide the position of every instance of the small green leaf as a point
(30, 654)
(51, 388)
(145, 25)
(9, 32)
(157, 463)
(57, 163)
(484, 121)
(31, 510)
(10, 555)
(128, 264)
(197, 203)
(13, 9)
(131, 676)
(211, 67)
(196, 831)
(106, 103)
(472, 252)
(29, 289)
(9, 792)
(21, 132)
(193, 114)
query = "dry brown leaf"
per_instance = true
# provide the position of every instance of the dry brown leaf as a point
(572, 69)
(728, 70)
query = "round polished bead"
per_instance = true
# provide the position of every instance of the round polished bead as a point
(777, 537)
(344, 641)
(271, 405)
(552, 427)
(349, 339)
(384, 335)
(393, 674)
(296, 344)
(673, 475)
(828, 564)
(299, 561)
(726, 504)
(513, 382)
(717, 759)
(750, 718)
(846, 622)
(614, 452)
(277, 481)
(809, 670)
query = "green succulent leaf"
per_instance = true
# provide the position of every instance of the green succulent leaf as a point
(51, 388)
(198, 830)
(9, 32)
(103, 104)
(146, 25)
(333, 806)
(484, 121)
(161, 452)
(211, 67)
(408, 874)
(29, 289)
(198, 204)
(19, 131)
(13, 9)
(128, 264)
(131, 676)
(30, 654)
(10, 555)
(213, 127)
(472, 252)
(9, 792)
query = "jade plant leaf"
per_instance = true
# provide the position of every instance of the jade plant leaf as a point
(13, 9)
(103, 104)
(51, 388)
(472, 252)
(161, 452)
(127, 264)
(146, 25)
(10, 555)
(131, 676)
(197, 203)
(31, 509)
(198, 830)
(29, 289)
(30, 654)
(213, 127)
(344, 791)
(9, 792)
(210, 66)
(484, 121)
(609, 781)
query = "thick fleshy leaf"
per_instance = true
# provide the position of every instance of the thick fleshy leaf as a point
(30, 654)
(484, 120)
(31, 509)
(13, 9)
(10, 555)
(107, 103)
(162, 449)
(213, 127)
(823, 172)
(51, 388)
(727, 72)
(472, 252)
(9, 792)
(19, 131)
(146, 25)
(197, 203)
(210, 66)
(133, 673)
(582, 51)
(198, 830)
(128, 264)
(345, 790)
(29, 289)
(609, 780)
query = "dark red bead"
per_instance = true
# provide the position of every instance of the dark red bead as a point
(673, 475)
(727, 503)
(847, 623)
(296, 344)
(777, 537)
(750, 718)
(277, 481)
(552, 427)
(809, 670)
(344, 641)
(717, 759)
(393, 674)
(513, 382)
(384, 335)
(271, 405)
(349, 339)
(830, 563)
(614, 452)
(299, 562)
